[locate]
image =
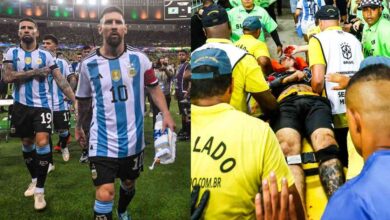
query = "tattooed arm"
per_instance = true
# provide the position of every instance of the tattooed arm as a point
(64, 85)
(11, 76)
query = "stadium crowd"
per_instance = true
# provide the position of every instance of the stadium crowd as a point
(253, 115)
(71, 37)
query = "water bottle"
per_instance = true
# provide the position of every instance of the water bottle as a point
(161, 142)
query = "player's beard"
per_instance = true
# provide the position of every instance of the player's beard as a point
(114, 41)
(27, 39)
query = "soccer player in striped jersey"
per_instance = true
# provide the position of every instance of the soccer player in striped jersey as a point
(28, 68)
(61, 113)
(113, 77)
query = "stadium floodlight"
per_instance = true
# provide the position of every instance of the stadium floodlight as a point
(60, 1)
(104, 2)
(79, 2)
(92, 2)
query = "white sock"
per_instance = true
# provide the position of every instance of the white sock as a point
(39, 190)
(34, 180)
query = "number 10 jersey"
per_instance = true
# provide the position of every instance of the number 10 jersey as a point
(116, 87)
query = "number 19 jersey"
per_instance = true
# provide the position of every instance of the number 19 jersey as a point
(116, 87)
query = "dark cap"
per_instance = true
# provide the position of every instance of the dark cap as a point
(211, 57)
(251, 23)
(214, 15)
(328, 12)
(370, 3)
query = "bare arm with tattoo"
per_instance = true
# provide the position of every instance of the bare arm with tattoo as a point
(11, 76)
(63, 85)
(83, 106)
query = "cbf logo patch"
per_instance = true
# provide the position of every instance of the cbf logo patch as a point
(27, 60)
(346, 51)
(116, 75)
(131, 70)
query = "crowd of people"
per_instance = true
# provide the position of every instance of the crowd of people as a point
(71, 37)
(252, 112)
(105, 86)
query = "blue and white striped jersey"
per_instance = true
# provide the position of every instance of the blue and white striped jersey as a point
(116, 87)
(33, 92)
(58, 97)
(309, 9)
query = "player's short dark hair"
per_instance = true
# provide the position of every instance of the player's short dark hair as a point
(374, 72)
(87, 47)
(51, 37)
(183, 51)
(79, 53)
(109, 10)
(28, 19)
(203, 88)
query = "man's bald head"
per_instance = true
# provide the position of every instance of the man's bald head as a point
(368, 108)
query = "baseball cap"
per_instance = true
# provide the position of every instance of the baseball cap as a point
(374, 60)
(328, 12)
(214, 15)
(212, 57)
(370, 3)
(251, 23)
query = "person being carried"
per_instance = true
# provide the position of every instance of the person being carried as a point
(304, 113)
(219, 133)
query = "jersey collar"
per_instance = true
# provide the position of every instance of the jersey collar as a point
(219, 40)
(211, 110)
(36, 48)
(242, 9)
(100, 55)
(332, 28)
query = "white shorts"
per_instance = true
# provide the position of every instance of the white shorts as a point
(306, 25)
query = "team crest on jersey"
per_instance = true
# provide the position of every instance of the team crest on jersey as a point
(116, 75)
(131, 70)
(39, 61)
(27, 60)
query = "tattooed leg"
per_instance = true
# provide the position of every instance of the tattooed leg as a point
(330, 168)
(331, 175)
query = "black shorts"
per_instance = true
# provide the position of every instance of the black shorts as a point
(61, 120)
(340, 4)
(26, 121)
(304, 114)
(105, 169)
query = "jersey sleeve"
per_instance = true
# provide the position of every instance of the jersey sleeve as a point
(274, 160)
(254, 80)
(150, 78)
(269, 23)
(261, 50)
(315, 52)
(84, 85)
(50, 62)
(8, 57)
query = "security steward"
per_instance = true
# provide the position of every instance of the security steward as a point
(334, 51)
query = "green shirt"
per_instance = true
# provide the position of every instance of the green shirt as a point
(238, 14)
(375, 39)
(261, 3)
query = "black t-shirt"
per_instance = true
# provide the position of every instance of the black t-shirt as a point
(198, 37)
